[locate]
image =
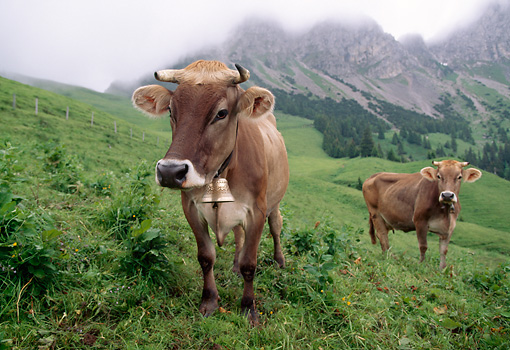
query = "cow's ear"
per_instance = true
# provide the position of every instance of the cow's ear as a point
(471, 174)
(429, 173)
(153, 100)
(256, 102)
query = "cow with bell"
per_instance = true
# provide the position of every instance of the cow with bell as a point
(229, 162)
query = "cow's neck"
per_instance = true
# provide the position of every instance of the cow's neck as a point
(225, 164)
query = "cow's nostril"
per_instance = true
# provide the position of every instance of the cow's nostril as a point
(448, 196)
(171, 175)
(181, 174)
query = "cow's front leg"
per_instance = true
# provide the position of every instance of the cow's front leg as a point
(444, 240)
(206, 254)
(248, 264)
(206, 258)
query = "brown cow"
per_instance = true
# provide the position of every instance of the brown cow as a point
(220, 129)
(421, 202)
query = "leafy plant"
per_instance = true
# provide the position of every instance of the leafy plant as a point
(103, 185)
(63, 170)
(27, 241)
(323, 247)
(144, 250)
(134, 202)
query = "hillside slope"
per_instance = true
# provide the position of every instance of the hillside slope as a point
(94, 254)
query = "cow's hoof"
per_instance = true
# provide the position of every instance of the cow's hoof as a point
(208, 307)
(253, 316)
(280, 259)
(236, 270)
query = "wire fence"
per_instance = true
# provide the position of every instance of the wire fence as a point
(67, 114)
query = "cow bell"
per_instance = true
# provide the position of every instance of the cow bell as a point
(217, 192)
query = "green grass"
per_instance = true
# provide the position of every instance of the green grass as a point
(125, 271)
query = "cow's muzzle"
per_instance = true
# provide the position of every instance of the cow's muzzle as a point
(178, 174)
(447, 197)
(171, 175)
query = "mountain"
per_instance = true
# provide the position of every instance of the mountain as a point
(487, 40)
(360, 61)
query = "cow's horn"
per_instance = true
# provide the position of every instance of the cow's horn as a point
(435, 163)
(244, 74)
(167, 75)
(463, 164)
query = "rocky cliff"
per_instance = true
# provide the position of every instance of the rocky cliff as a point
(360, 61)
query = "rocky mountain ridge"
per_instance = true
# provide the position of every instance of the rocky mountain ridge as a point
(362, 62)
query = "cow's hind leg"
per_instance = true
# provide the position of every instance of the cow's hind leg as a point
(239, 242)
(381, 231)
(421, 234)
(275, 227)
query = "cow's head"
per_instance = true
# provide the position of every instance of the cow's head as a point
(204, 111)
(449, 175)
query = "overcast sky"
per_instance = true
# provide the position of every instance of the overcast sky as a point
(91, 43)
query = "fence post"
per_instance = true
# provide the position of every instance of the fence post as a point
(67, 113)
(115, 126)
(13, 101)
(92, 119)
(36, 105)
(143, 136)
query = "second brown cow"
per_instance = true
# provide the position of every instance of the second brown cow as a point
(421, 202)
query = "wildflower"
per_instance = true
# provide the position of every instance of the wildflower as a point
(348, 303)
(76, 250)
(134, 215)
(322, 290)
(14, 244)
(343, 299)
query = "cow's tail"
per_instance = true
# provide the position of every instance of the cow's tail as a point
(371, 230)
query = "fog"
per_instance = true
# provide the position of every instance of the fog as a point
(92, 43)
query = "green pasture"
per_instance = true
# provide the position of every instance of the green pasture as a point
(94, 255)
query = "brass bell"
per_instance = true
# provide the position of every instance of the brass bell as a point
(217, 192)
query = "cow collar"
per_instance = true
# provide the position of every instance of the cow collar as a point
(227, 161)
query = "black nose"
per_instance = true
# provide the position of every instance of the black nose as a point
(171, 175)
(448, 196)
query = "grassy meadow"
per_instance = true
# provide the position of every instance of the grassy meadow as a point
(94, 255)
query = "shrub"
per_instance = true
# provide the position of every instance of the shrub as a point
(27, 240)
(64, 171)
(144, 251)
(132, 203)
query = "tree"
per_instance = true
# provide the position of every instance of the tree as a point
(395, 140)
(400, 149)
(380, 135)
(453, 143)
(367, 143)
(391, 156)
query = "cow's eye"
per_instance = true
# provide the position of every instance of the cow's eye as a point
(439, 176)
(221, 114)
(460, 177)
